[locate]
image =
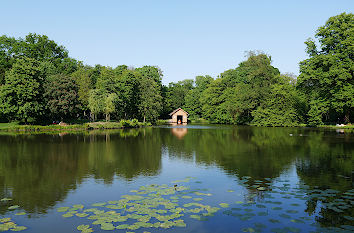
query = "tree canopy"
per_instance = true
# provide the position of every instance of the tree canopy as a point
(327, 75)
(40, 82)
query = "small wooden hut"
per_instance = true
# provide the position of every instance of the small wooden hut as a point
(179, 116)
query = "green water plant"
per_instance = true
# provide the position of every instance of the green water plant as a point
(7, 224)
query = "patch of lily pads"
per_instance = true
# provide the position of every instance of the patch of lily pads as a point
(152, 206)
(7, 224)
(286, 203)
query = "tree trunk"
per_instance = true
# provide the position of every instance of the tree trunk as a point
(144, 118)
(346, 118)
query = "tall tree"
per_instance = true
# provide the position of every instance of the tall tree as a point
(150, 104)
(61, 95)
(96, 103)
(83, 79)
(238, 92)
(41, 48)
(193, 103)
(177, 92)
(281, 108)
(22, 95)
(110, 103)
(327, 76)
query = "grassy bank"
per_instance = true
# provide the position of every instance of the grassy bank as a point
(349, 126)
(13, 126)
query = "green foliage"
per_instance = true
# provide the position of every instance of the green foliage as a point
(38, 47)
(315, 113)
(37, 76)
(176, 94)
(280, 108)
(83, 79)
(328, 73)
(193, 104)
(234, 96)
(110, 105)
(21, 97)
(61, 96)
(150, 104)
(95, 103)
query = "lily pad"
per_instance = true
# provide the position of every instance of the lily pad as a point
(107, 226)
(273, 220)
(82, 215)
(83, 227)
(5, 220)
(13, 207)
(21, 213)
(67, 215)
(292, 211)
(262, 213)
(224, 205)
(99, 204)
(18, 228)
(195, 216)
(63, 209)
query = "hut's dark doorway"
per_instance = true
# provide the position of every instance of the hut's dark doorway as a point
(179, 119)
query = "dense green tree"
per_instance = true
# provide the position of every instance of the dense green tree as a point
(41, 48)
(96, 103)
(9, 50)
(193, 103)
(237, 93)
(176, 94)
(152, 72)
(84, 81)
(38, 47)
(61, 96)
(129, 93)
(21, 97)
(110, 104)
(150, 104)
(327, 76)
(280, 109)
(212, 99)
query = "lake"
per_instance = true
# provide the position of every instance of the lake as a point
(194, 178)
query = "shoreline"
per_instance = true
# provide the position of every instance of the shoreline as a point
(123, 124)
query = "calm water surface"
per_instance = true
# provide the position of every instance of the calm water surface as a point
(266, 180)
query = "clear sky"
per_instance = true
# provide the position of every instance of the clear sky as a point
(185, 38)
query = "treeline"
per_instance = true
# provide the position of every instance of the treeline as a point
(39, 82)
(256, 93)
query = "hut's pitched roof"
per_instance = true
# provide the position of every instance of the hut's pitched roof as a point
(176, 110)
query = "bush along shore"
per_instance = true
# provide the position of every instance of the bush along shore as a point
(86, 126)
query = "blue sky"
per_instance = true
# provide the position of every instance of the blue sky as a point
(183, 38)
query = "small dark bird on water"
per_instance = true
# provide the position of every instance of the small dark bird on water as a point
(175, 187)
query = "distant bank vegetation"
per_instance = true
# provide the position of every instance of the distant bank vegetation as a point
(40, 83)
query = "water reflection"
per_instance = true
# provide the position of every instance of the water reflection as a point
(179, 132)
(39, 170)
